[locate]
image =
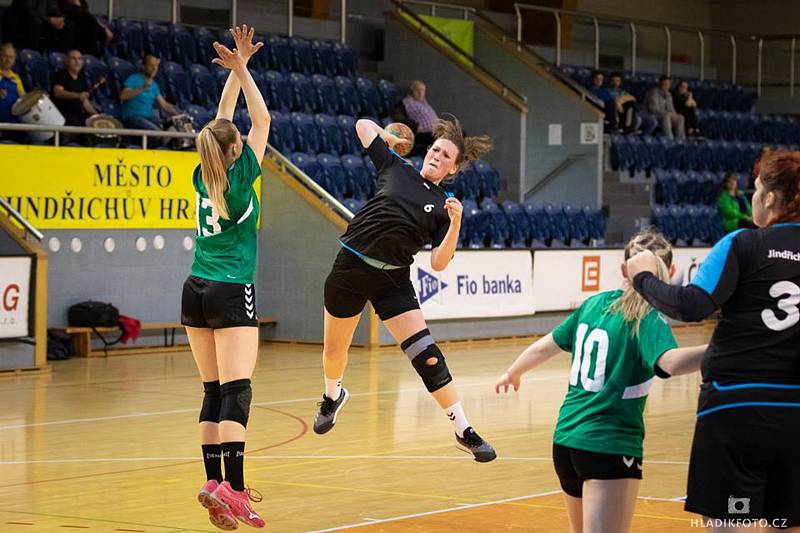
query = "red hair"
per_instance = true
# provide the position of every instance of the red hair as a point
(780, 174)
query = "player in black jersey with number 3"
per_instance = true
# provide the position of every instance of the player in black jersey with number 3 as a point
(409, 210)
(744, 462)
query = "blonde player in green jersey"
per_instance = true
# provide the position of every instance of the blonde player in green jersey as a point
(218, 301)
(618, 344)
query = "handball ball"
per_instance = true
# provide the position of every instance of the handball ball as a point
(398, 129)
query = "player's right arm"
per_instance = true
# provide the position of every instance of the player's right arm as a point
(679, 361)
(367, 130)
(533, 356)
(230, 93)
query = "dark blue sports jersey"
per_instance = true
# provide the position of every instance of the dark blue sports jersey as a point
(753, 277)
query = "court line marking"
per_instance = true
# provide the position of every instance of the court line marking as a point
(297, 457)
(260, 404)
(120, 522)
(439, 511)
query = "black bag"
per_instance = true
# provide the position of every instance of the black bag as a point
(59, 345)
(95, 315)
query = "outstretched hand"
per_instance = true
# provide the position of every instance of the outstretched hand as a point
(229, 59)
(243, 38)
(505, 381)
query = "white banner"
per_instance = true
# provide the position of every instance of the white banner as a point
(15, 276)
(563, 279)
(475, 284)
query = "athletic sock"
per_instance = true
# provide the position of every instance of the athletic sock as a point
(456, 415)
(233, 455)
(333, 388)
(212, 459)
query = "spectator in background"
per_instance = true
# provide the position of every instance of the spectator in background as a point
(138, 95)
(602, 94)
(420, 111)
(627, 109)
(10, 86)
(686, 106)
(71, 92)
(734, 209)
(37, 24)
(658, 103)
(90, 35)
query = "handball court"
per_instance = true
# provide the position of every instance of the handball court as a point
(110, 445)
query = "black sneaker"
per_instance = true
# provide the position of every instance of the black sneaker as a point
(474, 444)
(328, 411)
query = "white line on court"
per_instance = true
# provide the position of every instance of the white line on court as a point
(440, 511)
(294, 457)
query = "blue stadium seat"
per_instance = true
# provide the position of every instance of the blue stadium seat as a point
(597, 225)
(371, 101)
(309, 165)
(324, 58)
(500, 228)
(304, 95)
(357, 175)
(184, 46)
(349, 99)
(281, 133)
(389, 94)
(331, 138)
(280, 55)
(179, 85)
(279, 95)
(131, 39)
(559, 226)
(204, 41)
(666, 191)
(159, 42)
(372, 173)
(489, 178)
(519, 222)
(699, 221)
(242, 120)
(346, 64)
(335, 176)
(94, 70)
(352, 145)
(205, 85)
(302, 56)
(326, 94)
(111, 107)
(716, 231)
(56, 60)
(665, 223)
(540, 225)
(578, 226)
(34, 70)
(683, 224)
(120, 69)
(200, 116)
(467, 183)
(306, 135)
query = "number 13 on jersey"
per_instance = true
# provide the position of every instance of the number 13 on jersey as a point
(207, 224)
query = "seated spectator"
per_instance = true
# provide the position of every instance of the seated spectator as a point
(11, 87)
(140, 92)
(90, 35)
(71, 92)
(734, 209)
(658, 103)
(628, 116)
(37, 24)
(602, 94)
(420, 111)
(686, 106)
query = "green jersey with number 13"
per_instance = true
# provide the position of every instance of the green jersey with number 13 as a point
(226, 250)
(610, 377)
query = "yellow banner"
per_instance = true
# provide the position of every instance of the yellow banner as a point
(99, 188)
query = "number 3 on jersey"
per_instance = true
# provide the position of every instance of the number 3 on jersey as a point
(788, 295)
(211, 221)
(582, 360)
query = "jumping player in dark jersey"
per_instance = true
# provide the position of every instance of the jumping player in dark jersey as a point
(744, 456)
(409, 210)
(218, 303)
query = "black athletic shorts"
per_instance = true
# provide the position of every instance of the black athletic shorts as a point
(574, 466)
(216, 304)
(744, 460)
(352, 283)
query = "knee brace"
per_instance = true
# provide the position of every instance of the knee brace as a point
(236, 398)
(428, 360)
(212, 400)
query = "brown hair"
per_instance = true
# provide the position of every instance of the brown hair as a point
(214, 146)
(780, 174)
(631, 304)
(469, 148)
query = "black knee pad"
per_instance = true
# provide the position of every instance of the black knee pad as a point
(236, 398)
(212, 400)
(422, 351)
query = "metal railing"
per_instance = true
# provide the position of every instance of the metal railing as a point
(21, 220)
(284, 164)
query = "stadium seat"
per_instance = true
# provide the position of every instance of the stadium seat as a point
(302, 56)
(131, 39)
(95, 70)
(120, 69)
(520, 224)
(578, 226)
(389, 95)
(306, 135)
(331, 138)
(489, 179)
(34, 70)
(242, 120)
(559, 226)
(597, 225)
(184, 46)
(310, 166)
(336, 178)
(179, 86)
(56, 60)
(371, 101)
(200, 116)
(281, 133)
(279, 91)
(304, 95)
(204, 40)
(357, 176)
(345, 60)
(280, 55)
(326, 94)
(324, 58)
(349, 99)
(541, 225)
(205, 85)
(159, 42)
(352, 145)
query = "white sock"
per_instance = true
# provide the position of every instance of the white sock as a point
(333, 388)
(456, 415)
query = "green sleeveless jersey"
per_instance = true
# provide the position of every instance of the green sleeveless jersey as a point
(226, 250)
(610, 377)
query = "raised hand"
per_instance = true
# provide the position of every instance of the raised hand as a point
(243, 38)
(229, 59)
(454, 210)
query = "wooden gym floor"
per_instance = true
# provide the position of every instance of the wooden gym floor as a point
(110, 445)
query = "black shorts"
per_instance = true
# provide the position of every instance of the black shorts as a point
(216, 304)
(352, 283)
(744, 460)
(574, 466)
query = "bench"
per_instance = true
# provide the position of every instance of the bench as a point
(82, 339)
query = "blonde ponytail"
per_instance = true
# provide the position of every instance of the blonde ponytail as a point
(213, 143)
(631, 304)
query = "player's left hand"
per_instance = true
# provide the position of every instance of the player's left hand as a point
(454, 210)
(644, 261)
(229, 59)
(243, 37)
(505, 381)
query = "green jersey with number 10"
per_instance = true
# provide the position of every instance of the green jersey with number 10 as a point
(611, 375)
(226, 250)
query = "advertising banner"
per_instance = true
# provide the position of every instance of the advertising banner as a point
(15, 278)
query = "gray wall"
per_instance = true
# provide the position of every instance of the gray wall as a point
(452, 90)
(549, 103)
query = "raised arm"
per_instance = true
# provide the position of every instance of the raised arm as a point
(679, 361)
(446, 250)
(533, 356)
(243, 37)
(367, 130)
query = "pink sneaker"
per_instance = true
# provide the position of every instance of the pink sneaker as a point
(238, 503)
(219, 515)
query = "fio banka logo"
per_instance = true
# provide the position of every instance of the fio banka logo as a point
(429, 285)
